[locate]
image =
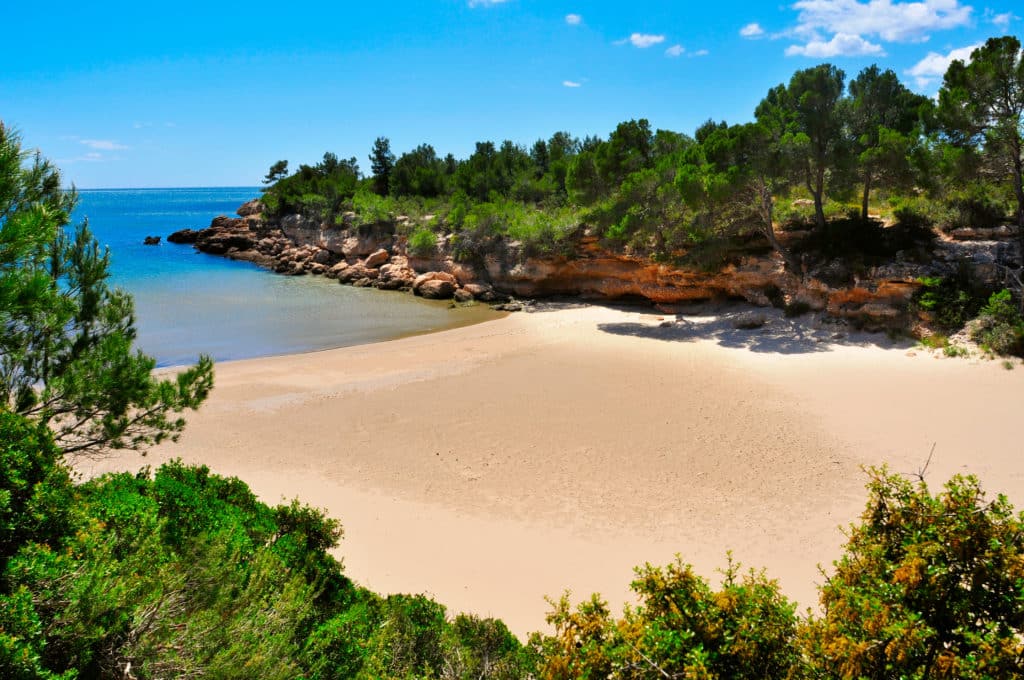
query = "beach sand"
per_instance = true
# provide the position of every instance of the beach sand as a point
(493, 465)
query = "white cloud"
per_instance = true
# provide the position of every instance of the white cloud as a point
(485, 3)
(675, 51)
(934, 66)
(573, 19)
(90, 157)
(700, 53)
(645, 40)
(753, 30)
(571, 84)
(1003, 21)
(103, 144)
(841, 45)
(889, 20)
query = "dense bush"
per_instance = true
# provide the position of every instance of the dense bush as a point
(682, 628)
(182, 573)
(977, 206)
(1000, 326)
(929, 586)
(317, 191)
(422, 242)
(951, 300)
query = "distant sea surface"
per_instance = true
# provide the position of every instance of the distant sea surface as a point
(188, 303)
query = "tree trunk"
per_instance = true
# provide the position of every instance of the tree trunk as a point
(867, 195)
(818, 191)
(768, 228)
(1018, 190)
(819, 210)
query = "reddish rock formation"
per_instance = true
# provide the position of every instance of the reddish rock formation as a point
(374, 255)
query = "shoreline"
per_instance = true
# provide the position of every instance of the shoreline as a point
(499, 463)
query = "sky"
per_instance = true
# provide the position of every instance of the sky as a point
(189, 94)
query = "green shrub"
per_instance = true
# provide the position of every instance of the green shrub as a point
(422, 242)
(978, 207)
(1000, 327)
(371, 208)
(952, 300)
(681, 629)
(928, 586)
(914, 213)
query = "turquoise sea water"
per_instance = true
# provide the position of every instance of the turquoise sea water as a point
(188, 303)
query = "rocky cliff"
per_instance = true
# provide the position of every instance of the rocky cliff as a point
(377, 255)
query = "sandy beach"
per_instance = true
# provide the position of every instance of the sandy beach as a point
(493, 465)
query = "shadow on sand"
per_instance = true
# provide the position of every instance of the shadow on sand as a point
(778, 335)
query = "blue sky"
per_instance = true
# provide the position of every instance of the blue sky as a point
(210, 94)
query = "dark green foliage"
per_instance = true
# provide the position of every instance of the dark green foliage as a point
(1000, 326)
(601, 167)
(419, 173)
(808, 113)
(184, 573)
(278, 170)
(885, 120)
(977, 206)
(981, 107)
(952, 301)
(382, 163)
(909, 215)
(317, 191)
(66, 355)
(35, 493)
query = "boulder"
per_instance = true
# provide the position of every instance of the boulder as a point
(183, 236)
(749, 321)
(335, 271)
(483, 292)
(433, 276)
(151, 241)
(356, 272)
(463, 295)
(249, 208)
(436, 289)
(393, 277)
(377, 258)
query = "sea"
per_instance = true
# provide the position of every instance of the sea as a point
(188, 303)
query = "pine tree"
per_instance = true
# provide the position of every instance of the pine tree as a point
(66, 352)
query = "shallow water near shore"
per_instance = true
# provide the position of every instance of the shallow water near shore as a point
(188, 303)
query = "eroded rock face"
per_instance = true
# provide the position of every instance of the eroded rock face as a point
(253, 207)
(373, 255)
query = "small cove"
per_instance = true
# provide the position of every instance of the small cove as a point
(188, 303)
